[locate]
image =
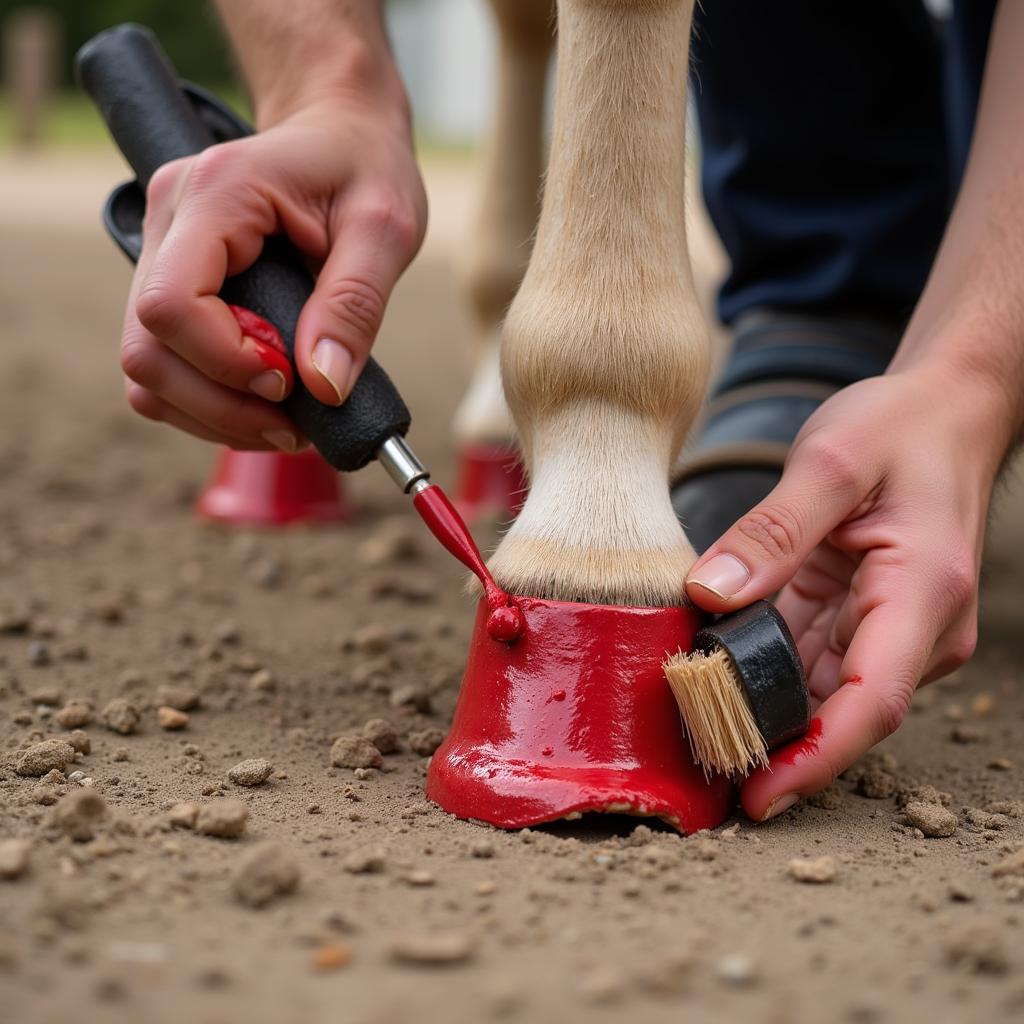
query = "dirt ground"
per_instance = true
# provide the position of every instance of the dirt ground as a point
(390, 910)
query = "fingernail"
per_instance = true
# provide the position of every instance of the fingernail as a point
(282, 439)
(334, 363)
(270, 385)
(780, 804)
(724, 576)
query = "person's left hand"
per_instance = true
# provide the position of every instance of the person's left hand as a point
(874, 536)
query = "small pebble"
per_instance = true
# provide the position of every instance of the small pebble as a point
(251, 772)
(74, 714)
(14, 855)
(224, 818)
(817, 869)
(331, 956)
(39, 654)
(433, 948)
(262, 681)
(736, 970)
(171, 719)
(121, 716)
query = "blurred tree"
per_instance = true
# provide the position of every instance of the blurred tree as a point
(188, 30)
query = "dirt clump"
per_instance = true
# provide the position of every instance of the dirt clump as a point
(425, 741)
(74, 715)
(382, 734)
(265, 873)
(183, 815)
(352, 751)
(44, 756)
(934, 820)
(224, 818)
(121, 716)
(79, 813)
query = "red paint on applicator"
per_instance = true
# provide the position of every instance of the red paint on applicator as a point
(505, 621)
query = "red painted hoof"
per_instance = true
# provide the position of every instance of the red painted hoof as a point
(574, 716)
(273, 489)
(491, 482)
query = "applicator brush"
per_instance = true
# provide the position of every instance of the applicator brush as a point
(741, 691)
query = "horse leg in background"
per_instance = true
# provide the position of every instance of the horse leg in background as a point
(499, 244)
(605, 351)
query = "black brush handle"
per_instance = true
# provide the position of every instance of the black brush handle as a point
(128, 76)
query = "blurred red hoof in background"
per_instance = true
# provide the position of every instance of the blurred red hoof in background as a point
(273, 489)
(490, 483)
(574, 716)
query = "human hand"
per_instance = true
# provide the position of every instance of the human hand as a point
(339, 176)
(874, 536)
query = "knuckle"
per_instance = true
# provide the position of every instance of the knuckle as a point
(163, 184)
(837, 465)
(959, 578)
(892, 708)
(211, 167)
(775, 530)
(964, 644)
(160, 307)
(144, 402)
(393, 218)
(140, 362)
(357, 304)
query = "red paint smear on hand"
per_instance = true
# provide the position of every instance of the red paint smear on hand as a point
(806, 746)
(270, 346)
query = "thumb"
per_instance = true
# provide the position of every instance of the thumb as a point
(763, 550)
(339, 323)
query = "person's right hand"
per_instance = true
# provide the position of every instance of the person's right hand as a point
(340, 178)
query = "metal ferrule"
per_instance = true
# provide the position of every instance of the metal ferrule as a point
(402, 465)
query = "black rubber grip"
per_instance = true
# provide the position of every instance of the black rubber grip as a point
(766, 661)
(128, 76)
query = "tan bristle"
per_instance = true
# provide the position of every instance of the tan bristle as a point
(719, 723)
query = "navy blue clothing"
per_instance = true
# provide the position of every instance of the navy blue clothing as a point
(834, 134)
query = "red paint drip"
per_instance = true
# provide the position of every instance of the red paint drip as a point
(806, 746)
(505, 621)
(270, 346)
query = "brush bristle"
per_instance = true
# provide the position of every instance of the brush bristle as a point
(719, 723)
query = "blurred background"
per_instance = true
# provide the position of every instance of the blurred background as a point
(40, 104)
